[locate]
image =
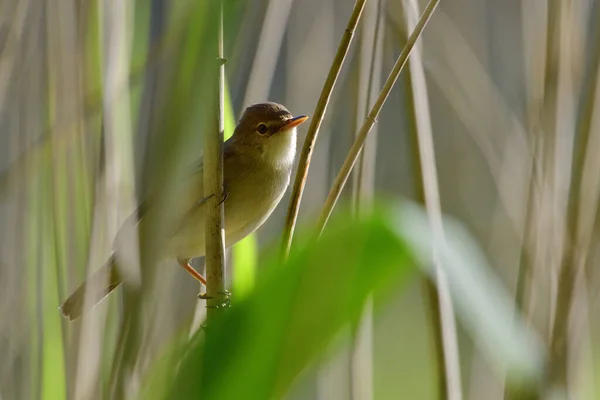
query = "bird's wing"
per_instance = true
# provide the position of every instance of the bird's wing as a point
(190, 195)
(196, 179)
(191, 182)
(188, 192)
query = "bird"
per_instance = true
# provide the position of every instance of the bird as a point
(257, 165)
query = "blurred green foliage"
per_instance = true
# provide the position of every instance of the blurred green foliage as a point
(257, 348)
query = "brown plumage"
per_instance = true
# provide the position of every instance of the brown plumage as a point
(257, 163)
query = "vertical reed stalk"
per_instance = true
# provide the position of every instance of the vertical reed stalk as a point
(352, 156)
(441, 309)
(364, 190)
(581, 212)
(313, 130)
(213, 183)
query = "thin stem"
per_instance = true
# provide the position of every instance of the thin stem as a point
(313, 130)
(525, 267)
(358, 177)
(213, 183)
(361, 361)
(578, 235)
(436, 289)
(534, 94)
(534, 105)
(430, 293)
(350, 160)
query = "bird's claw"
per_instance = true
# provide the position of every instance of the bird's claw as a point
(225, 193)
(225, 304)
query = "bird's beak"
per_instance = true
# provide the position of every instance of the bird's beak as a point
(294, 122)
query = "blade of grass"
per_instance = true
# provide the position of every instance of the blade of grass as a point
(90, 344)
(257, 348)
(281, 331)
(117, 130)
(483, 306)
(53, 376)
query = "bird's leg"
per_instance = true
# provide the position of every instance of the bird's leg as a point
(185, 264)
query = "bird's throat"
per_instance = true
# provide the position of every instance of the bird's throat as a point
(280, 149)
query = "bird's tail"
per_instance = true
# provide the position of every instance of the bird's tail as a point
(99, 285)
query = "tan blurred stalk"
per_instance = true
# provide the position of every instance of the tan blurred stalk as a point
(440, 304)
(349, 372)
(116, 186)
(332, 379)
(584, 189)
(369, 82)
(269, 47)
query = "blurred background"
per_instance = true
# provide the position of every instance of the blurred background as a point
(102, 101)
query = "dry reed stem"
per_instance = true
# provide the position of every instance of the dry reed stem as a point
(440, 303)
(350, 160)
(313, 130)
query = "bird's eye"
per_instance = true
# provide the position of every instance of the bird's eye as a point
(262, 129)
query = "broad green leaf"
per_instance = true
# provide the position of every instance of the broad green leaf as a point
(256, 348)
(482, 304)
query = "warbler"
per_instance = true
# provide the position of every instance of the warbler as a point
(257, 164)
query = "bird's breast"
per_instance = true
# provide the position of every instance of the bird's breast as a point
(252, 191)
(252, 197)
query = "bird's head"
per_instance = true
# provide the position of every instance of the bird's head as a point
(269, 131)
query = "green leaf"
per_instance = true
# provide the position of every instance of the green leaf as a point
(482, 304)
(229, 114)
(256, 348)
(259, 346)
(245, 257)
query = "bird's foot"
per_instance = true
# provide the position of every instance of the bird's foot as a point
(226, 302)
